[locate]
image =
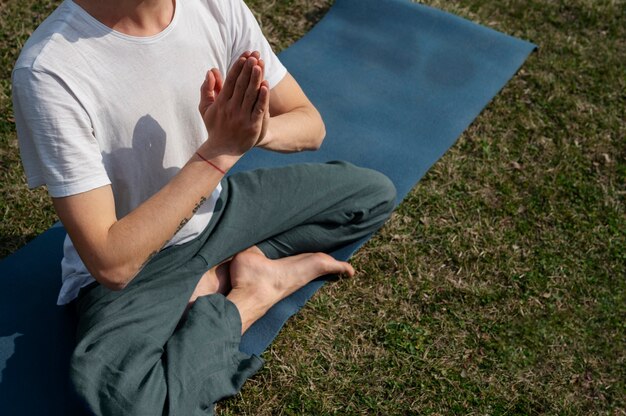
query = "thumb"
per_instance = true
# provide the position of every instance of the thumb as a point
(207, 92)
(218, 80)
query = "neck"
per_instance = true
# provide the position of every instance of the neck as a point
(131, 17)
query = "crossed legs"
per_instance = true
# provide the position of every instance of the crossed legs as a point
(134, 354)
(351, 203)
(255, 283)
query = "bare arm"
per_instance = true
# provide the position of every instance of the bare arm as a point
(295, 124)
(114, 250)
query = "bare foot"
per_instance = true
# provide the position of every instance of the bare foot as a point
(258, 282)
(215, 280)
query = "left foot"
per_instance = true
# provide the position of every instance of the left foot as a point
(258, 282)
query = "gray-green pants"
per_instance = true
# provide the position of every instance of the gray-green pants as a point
(134, 355)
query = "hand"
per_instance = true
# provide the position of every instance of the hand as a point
(235, 112)
(213, 83)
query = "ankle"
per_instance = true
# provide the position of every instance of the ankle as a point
(250, 307)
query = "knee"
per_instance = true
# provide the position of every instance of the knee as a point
(374, 189)
(384, 193)
(378, 189)
(385, 190)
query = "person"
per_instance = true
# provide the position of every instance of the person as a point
(168, 259)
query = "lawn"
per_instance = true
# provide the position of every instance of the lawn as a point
(499, 285)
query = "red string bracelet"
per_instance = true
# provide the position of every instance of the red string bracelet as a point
(207, 161)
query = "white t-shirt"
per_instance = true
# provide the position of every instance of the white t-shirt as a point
(95, 107)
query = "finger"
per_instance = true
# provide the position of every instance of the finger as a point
(262, 103)
(243, 80)
(252, 91)
(261, 63)
(265, 83)
(210, 90)
(207, 92)
(231, 78)
(257, 55)
(218, 80)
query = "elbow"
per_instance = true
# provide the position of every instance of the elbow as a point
(115, 279)
(115, 286)
(318, 138)
(322, 134)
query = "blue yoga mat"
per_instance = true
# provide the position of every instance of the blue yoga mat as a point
(396, 83)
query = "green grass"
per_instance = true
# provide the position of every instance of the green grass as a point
(498, 287)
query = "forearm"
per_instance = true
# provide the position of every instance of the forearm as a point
(130, 242)
(295, 131)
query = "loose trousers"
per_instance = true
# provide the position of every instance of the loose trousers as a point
(134, 354)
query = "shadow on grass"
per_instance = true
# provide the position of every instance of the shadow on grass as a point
(315, 15)
(11, 243)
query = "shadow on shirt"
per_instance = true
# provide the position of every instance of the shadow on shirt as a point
(138, 172)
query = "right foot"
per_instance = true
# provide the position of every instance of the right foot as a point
(258, 282)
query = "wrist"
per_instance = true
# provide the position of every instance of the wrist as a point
(221, 163)
(213, 165)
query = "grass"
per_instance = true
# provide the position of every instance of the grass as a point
(498, 287)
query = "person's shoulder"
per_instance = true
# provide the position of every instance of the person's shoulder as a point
(216, 8)
(224, 8)
(49, 39)
(217, 14)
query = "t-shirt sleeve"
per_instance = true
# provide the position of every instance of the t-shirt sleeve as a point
(247, 36)
(55, 135)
